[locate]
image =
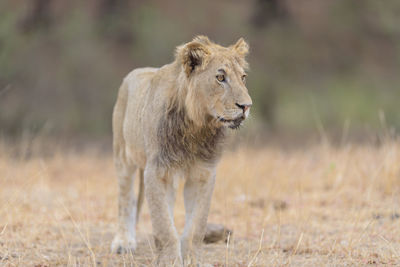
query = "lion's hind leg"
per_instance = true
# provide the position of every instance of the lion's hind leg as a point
(125, 239)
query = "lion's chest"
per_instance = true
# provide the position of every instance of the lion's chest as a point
(180, 142)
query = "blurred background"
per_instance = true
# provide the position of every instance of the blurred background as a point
(319, 69)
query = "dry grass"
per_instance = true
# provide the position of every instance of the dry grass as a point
(312, 207)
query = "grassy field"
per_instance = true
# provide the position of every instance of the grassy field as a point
(315, 206)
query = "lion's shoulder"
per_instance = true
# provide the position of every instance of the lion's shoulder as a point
(140, 72)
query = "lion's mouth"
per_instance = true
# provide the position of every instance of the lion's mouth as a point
(232, 123)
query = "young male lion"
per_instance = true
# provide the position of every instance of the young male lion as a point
(170, 122)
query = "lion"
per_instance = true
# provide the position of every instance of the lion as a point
(170, 123)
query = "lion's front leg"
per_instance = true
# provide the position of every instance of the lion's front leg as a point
(160, 195)
(198, 190)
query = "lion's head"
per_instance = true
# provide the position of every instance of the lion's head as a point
(215, 81)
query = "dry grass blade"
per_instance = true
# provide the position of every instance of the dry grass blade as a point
(258, 250)
(80, 233)
(391, 246)
(227, 250)
(4, 229)
(298, 243)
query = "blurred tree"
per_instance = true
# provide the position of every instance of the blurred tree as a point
(266, 11)
(114, 17)
(37, 16)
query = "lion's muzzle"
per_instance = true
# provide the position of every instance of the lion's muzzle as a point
(233, 123)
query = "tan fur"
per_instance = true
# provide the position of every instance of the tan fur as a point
(168, 123)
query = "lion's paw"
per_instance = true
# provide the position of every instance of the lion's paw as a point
(122, 245)
(170, 256)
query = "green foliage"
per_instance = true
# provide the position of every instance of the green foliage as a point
(330, 61)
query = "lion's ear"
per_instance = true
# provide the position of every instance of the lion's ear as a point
(241, 47)
(202, 39)
(192, 55)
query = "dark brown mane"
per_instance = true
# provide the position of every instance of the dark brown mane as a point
(182, 142)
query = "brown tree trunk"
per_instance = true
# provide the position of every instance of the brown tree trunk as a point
(38, 16)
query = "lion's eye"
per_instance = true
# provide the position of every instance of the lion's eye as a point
(244, 78)
(221, 78)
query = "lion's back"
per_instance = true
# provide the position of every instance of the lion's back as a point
(127, 136)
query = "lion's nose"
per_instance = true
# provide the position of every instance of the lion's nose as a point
(244, 107)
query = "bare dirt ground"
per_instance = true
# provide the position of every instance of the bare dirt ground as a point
(317, 206)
